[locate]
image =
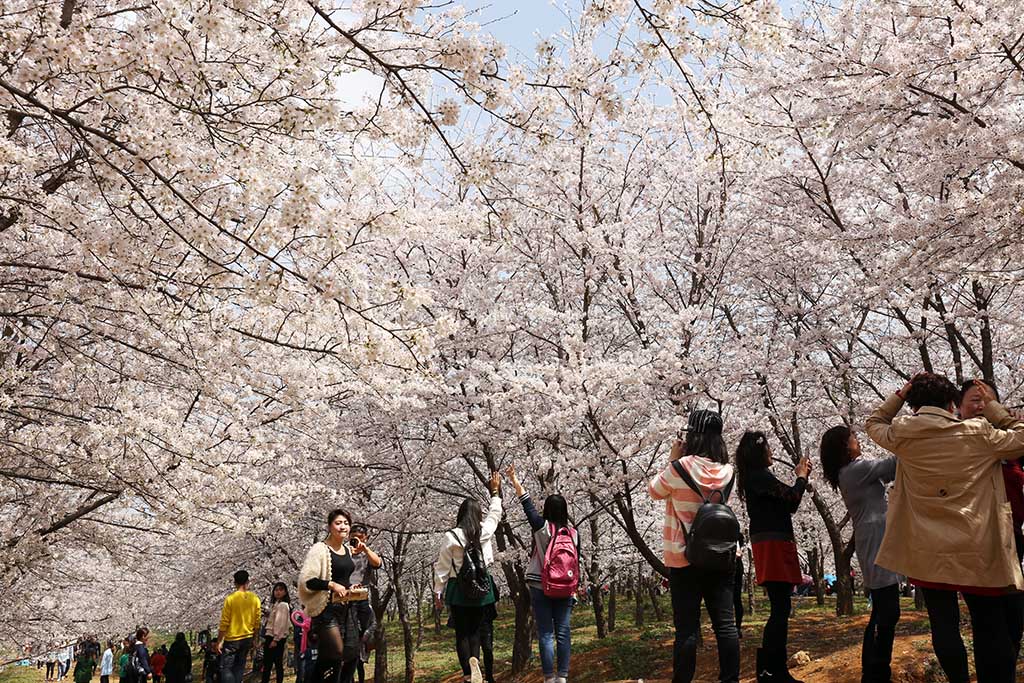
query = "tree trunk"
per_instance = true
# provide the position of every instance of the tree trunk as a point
(380, 640)
(612, 595)
(749, 578)
(515, 578)
(638, 601)
(594, 574)
(652, 591)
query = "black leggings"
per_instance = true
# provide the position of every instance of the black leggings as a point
(487, 646)
(331, 666)
(876, 656)
(737, 595)
(995, 656)
(468, 623)
(776, 629)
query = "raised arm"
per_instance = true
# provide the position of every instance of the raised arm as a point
(536, 521)
(879, 425)
(659, 488)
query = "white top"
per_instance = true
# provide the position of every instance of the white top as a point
(107, 663)
(280, 621)
(449, 560)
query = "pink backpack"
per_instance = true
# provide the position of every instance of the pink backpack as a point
(560, 573)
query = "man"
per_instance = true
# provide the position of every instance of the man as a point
(947, 527)
(367, 562)
(239, 623)
(107, 663)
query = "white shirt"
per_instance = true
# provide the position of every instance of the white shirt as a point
(107, 663)
(449, 560)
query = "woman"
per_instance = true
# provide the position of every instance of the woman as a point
(139, 669)
(85, 666)
(179, 660)
(862, 483)
(551, 614)
(279, 625)
(949, 527)
(704, 460)
(324, 583)
(770, 508)
(472, 534)
(157, 662)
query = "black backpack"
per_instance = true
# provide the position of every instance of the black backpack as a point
(715, 532)
(473, 580)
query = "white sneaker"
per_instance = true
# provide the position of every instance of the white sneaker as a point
(474, 671)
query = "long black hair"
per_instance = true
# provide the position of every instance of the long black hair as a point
(469, 518)
(751, 454)
(556, 510)
(834, 453)
(710, 445)
(286, 598)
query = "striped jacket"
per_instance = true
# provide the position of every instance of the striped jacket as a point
(681, 502)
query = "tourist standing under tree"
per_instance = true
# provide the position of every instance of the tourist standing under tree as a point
(138, 669)
(179, 660)
(862, 483)
(107, 663)
(551, 613)
(239, 624)
(367, 563)
(461, 579)
(85, 667)
(697, 467)
(279, 625)
(157, 662)
(324, 583)
(949, 528)
(770, 508)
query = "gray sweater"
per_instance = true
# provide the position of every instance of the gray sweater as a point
(862, 485)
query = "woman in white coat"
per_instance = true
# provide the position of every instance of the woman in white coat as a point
(469, 540)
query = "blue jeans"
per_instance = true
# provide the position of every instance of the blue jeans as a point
(232, 660)
(552, 617)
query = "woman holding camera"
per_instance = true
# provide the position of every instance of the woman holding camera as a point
(770, 507)
(325, 590)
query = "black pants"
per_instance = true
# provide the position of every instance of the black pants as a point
(995, 658)
(688, 586)
(468, 623)
(876, 656)
(49, 670)
(776, 629)
(487, 642)
(273, 657)
(737, 596)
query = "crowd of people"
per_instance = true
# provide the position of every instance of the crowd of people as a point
(943, 512)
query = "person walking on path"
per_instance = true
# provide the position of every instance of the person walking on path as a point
(949, 528)
(862, 484)
(85, 667)
(239, 624)
(551, 613)
(107, 663)
(325, 581)
(157, 662)
(179, 660)
(64, 657)
(279, 625)
(770, 508)
(139, 669)
(697, 467)
(461, 579)
(367, 563)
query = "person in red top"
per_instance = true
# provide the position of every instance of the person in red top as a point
(971, 405)
(157, 662)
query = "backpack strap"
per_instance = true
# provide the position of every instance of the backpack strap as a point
(723, 492)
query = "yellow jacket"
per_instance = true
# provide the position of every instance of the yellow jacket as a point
(949, 520)
(240, 617)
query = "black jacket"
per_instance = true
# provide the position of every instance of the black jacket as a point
(771, 504)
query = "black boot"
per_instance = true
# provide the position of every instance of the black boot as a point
(783, 668)
(766, 667)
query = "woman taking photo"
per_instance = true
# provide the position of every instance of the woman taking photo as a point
(324, 583)
(770, 508)
(279, 626)
(700, 462)
(551, 614)
(862, 482)
(470, 540)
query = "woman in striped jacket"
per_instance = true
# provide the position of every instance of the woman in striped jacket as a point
(704, 457)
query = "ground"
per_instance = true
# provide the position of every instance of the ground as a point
(632, 653)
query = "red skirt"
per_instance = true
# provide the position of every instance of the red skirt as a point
(776, 561)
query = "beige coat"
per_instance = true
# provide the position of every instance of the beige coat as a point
(949, 520)
(316, 566)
